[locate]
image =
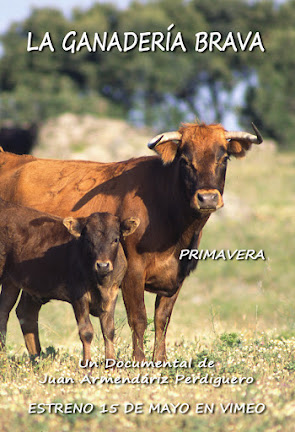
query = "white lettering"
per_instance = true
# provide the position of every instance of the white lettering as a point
(257, 42)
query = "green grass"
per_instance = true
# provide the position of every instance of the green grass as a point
(239, 314)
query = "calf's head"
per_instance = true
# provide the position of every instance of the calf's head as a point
(200, 153)
(99, 235)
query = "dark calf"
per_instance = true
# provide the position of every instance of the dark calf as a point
(80, 261)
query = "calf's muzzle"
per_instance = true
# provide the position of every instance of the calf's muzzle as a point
(103, 267)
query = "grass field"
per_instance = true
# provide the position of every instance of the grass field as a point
(238, 314)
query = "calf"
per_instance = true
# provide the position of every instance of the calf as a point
(80, 261)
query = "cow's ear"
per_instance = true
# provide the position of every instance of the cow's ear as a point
(74, 226)
(238, 149)
(167, 151)
(128, 226)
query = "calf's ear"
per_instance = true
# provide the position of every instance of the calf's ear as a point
(74, 226)
(128, 226)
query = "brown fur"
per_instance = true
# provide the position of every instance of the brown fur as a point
(238, 148)
(167, 151)
(39, 254)
(173, 195)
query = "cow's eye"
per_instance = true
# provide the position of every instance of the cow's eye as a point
(116, 240)
(223, 161)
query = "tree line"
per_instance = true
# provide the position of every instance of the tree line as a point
(158, 88)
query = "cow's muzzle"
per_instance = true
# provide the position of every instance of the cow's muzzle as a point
(207, 200)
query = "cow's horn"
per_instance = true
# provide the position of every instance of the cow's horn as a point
(255, 139)
(162, 138)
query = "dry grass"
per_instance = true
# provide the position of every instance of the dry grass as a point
(268, 361)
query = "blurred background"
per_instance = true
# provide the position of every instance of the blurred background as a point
(107, 105)
(153, 89)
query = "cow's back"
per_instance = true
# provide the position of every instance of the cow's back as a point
(79, 188)
(60, 187)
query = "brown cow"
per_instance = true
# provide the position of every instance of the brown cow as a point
(80, 261)
(173, 195)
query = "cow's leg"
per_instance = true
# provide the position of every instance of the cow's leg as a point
(81, 309)
(163, 311)
(8, 297)
(27, 312)
(107, 322)
(133, 296)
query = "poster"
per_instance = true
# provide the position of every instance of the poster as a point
(100, 82)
